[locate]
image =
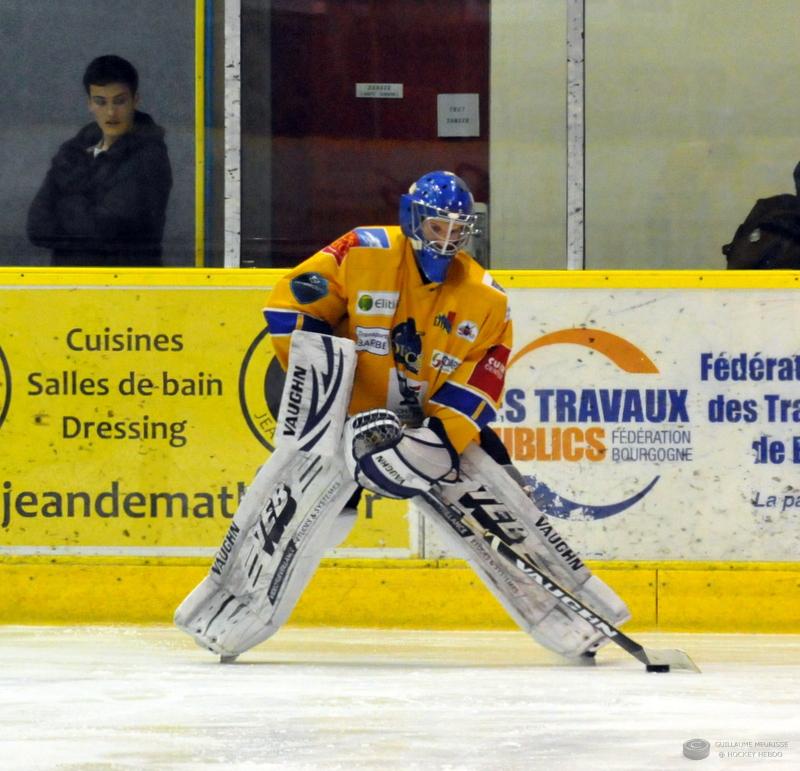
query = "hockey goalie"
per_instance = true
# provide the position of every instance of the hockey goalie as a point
(394, 342)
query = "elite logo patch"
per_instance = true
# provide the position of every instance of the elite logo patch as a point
(377, 303)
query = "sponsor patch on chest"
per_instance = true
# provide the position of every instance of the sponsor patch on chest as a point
(468, 330)
(376, 303)
(373, 340)
(444, 362)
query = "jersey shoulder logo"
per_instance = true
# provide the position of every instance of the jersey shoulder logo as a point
(377, 238)
(341, 246)
(309, 287)
(490, 372)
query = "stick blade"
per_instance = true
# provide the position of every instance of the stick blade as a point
(670, 657)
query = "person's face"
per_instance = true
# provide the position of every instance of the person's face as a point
(113, 107)
(446, 235)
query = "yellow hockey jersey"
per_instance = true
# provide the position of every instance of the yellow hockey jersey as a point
(422, 349)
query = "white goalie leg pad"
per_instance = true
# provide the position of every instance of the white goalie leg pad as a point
(288, 516)
(229, 625)
(266, 560)
(498, 575)
(496, 501)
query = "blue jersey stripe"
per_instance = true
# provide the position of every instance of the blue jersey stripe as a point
(312, 324)
(468, 403)
(281, 322)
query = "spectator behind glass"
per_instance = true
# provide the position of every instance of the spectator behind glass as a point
(104, 199)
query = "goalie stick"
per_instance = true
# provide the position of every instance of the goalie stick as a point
(464, 522)
(655, 660)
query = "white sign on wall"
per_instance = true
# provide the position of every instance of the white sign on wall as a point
(379, 90)
(659, 424)
(458, 115)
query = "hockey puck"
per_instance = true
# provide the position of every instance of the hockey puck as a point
(696, 749)
(658, 667)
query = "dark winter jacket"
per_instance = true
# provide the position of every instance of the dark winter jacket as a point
(107, 210)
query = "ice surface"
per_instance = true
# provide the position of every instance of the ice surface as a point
(148, 698)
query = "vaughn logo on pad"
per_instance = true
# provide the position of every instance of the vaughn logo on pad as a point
(317, 392)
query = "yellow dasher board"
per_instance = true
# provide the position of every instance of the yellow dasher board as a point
(135, 407)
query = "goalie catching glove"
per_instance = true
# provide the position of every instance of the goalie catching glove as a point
(394, 461)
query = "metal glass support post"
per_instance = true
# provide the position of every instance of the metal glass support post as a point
(576, 136)
(233, 134)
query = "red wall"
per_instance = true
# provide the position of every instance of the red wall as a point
(339, 161)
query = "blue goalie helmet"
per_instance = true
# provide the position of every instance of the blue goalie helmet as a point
(437, 214)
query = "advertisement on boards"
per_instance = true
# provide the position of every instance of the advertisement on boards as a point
(132, 419)
(659, 424)
(651, 424)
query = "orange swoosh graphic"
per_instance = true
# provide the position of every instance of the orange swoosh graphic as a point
(624, 354)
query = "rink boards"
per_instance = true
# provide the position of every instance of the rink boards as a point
(657, 415)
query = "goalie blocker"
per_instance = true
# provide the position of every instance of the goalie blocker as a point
(295, 510)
